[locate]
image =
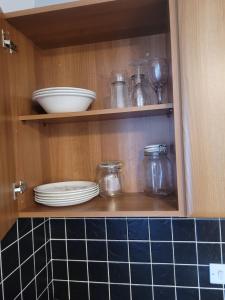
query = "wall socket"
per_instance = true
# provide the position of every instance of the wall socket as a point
(217, 273)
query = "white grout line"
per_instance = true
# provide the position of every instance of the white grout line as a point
(196, 247)
(128, 250)
(107, 258)
(173, 252)
(1, 274)
(67, 261)
(35, 282)
(18, 249)
(87, 261)
(150, 247)
(50, 237)
(46, 256)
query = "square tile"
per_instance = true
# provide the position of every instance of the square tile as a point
(204, 280)
(141, 273)
(119, 273)
(98, 271)
(208, 230)
(160, 230)
(185, 253)
(77, 270)
(57, 228)
(10, 237)
(10, 260)
(141, 292)
(139, 251)
(26, 247)
(162, 252)
(60, 270)
(186, 275)
(79, 290)
(76, 250)
(183, 229)
(75, 229)
(37, 221)
(27, 272)
(39, 237)
(61, 290)
(24, 226)
(164, 293)
(211, 294)
(58, 249)
(99, 291)
(116, 229)
(138, 229)
(95, 229)
(187, 294)
(12, 286)
(97, 250)
(44, 295)
(118, 251)
(209, 253)
(163, 275)
(120, 292)
(30, 292)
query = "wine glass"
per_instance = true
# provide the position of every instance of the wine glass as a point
(158, 74)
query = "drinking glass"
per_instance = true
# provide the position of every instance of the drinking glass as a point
(158, 75)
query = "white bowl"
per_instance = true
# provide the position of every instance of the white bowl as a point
(64, 102)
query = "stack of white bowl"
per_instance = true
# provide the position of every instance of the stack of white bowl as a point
(66, 193)
(64, 99)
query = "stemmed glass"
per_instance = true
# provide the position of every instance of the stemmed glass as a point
(158, 74)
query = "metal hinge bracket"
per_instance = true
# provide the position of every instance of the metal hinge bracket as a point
(19, 188)
(7, 43)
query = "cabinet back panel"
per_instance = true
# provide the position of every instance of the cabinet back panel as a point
(73, 150)
(90, 66)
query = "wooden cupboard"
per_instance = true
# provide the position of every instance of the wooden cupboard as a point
(79, 44)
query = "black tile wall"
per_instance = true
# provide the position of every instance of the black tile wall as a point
(111, 259)
(136, 258)
(25, 261)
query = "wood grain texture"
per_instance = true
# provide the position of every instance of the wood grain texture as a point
(91, 21)
(21, 83)
(102, 114)
(8, 207)
(202, 52)
(73, 150)
(135, 205)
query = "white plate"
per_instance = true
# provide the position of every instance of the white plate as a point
(70, 194)
(60, 204)
(65, 187)
(64, 89)
(67, 198)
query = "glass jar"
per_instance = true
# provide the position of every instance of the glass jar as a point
(109, 178)
(158, 171)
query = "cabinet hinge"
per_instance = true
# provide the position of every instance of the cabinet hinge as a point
(19, 188)
(7, 43)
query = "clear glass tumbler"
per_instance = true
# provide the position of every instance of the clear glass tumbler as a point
(109, 178)
(158, 171)
(119, 90)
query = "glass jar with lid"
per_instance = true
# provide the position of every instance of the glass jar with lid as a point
(109, 178)
(158, 171)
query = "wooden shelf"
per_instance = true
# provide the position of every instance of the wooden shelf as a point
(102, 114)
(135, 204)
(88, 21)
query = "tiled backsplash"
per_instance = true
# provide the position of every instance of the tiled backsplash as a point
(113, 259)
(25, 261)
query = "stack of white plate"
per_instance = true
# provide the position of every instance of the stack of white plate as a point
(64, 99)
(66, 193)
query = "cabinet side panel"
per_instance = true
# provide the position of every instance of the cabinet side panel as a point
(8, 207)
(22, 80)
(202, 49)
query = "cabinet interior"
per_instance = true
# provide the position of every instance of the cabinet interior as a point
(68, 150)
